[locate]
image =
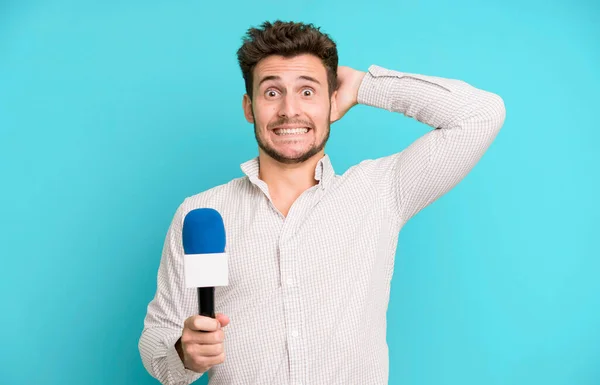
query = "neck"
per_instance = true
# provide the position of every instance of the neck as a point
(288, 179)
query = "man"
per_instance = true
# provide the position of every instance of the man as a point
(311, 253)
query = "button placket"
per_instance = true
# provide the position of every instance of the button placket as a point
(291, 294)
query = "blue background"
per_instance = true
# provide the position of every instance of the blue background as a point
(112, 112)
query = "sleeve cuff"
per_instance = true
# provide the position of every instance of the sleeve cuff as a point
(376, 86)
(381, 87)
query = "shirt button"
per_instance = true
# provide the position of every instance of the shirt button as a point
(294, 333)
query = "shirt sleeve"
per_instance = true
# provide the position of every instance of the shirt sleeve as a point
(465, 121)
(166, 313)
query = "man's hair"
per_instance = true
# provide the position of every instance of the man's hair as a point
(287, 39)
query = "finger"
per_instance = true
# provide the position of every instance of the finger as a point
(210, 361)
(223, 319)
(203, 338)
(208, 350)
(216, 360)
(201, 323)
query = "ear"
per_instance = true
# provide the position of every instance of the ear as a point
(247, 106)
(334, 114)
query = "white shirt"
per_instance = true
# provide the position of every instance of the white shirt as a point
(308, 293)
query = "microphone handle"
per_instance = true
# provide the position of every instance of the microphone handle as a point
(206, 301)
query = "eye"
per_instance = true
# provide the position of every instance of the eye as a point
(307, 92)
(271, 93)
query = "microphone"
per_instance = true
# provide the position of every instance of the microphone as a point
(205, 260)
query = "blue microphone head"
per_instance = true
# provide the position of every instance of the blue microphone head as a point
(203, 232)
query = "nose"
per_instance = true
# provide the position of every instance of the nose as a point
(289, 107)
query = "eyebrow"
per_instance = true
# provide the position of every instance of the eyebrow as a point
(275, 77)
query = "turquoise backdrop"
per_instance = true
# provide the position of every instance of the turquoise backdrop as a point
(112, 112)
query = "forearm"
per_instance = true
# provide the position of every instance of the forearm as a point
(166, 314)
(438, 102)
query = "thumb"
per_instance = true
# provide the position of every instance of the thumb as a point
(222, 318)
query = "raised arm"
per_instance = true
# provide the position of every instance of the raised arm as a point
(465, 121)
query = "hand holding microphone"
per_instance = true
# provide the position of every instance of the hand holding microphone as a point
(201, 343)
(205, 266)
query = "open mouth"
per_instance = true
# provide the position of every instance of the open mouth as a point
(291, 131)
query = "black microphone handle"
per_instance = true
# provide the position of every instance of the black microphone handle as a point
(206, 301)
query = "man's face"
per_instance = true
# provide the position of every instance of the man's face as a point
(290, 107)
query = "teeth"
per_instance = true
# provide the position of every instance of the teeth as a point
(291, 131)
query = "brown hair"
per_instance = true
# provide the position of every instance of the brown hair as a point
(287, 39)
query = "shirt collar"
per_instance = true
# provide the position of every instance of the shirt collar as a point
(324, 171)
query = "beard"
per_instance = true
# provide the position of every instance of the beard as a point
(306, 155)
